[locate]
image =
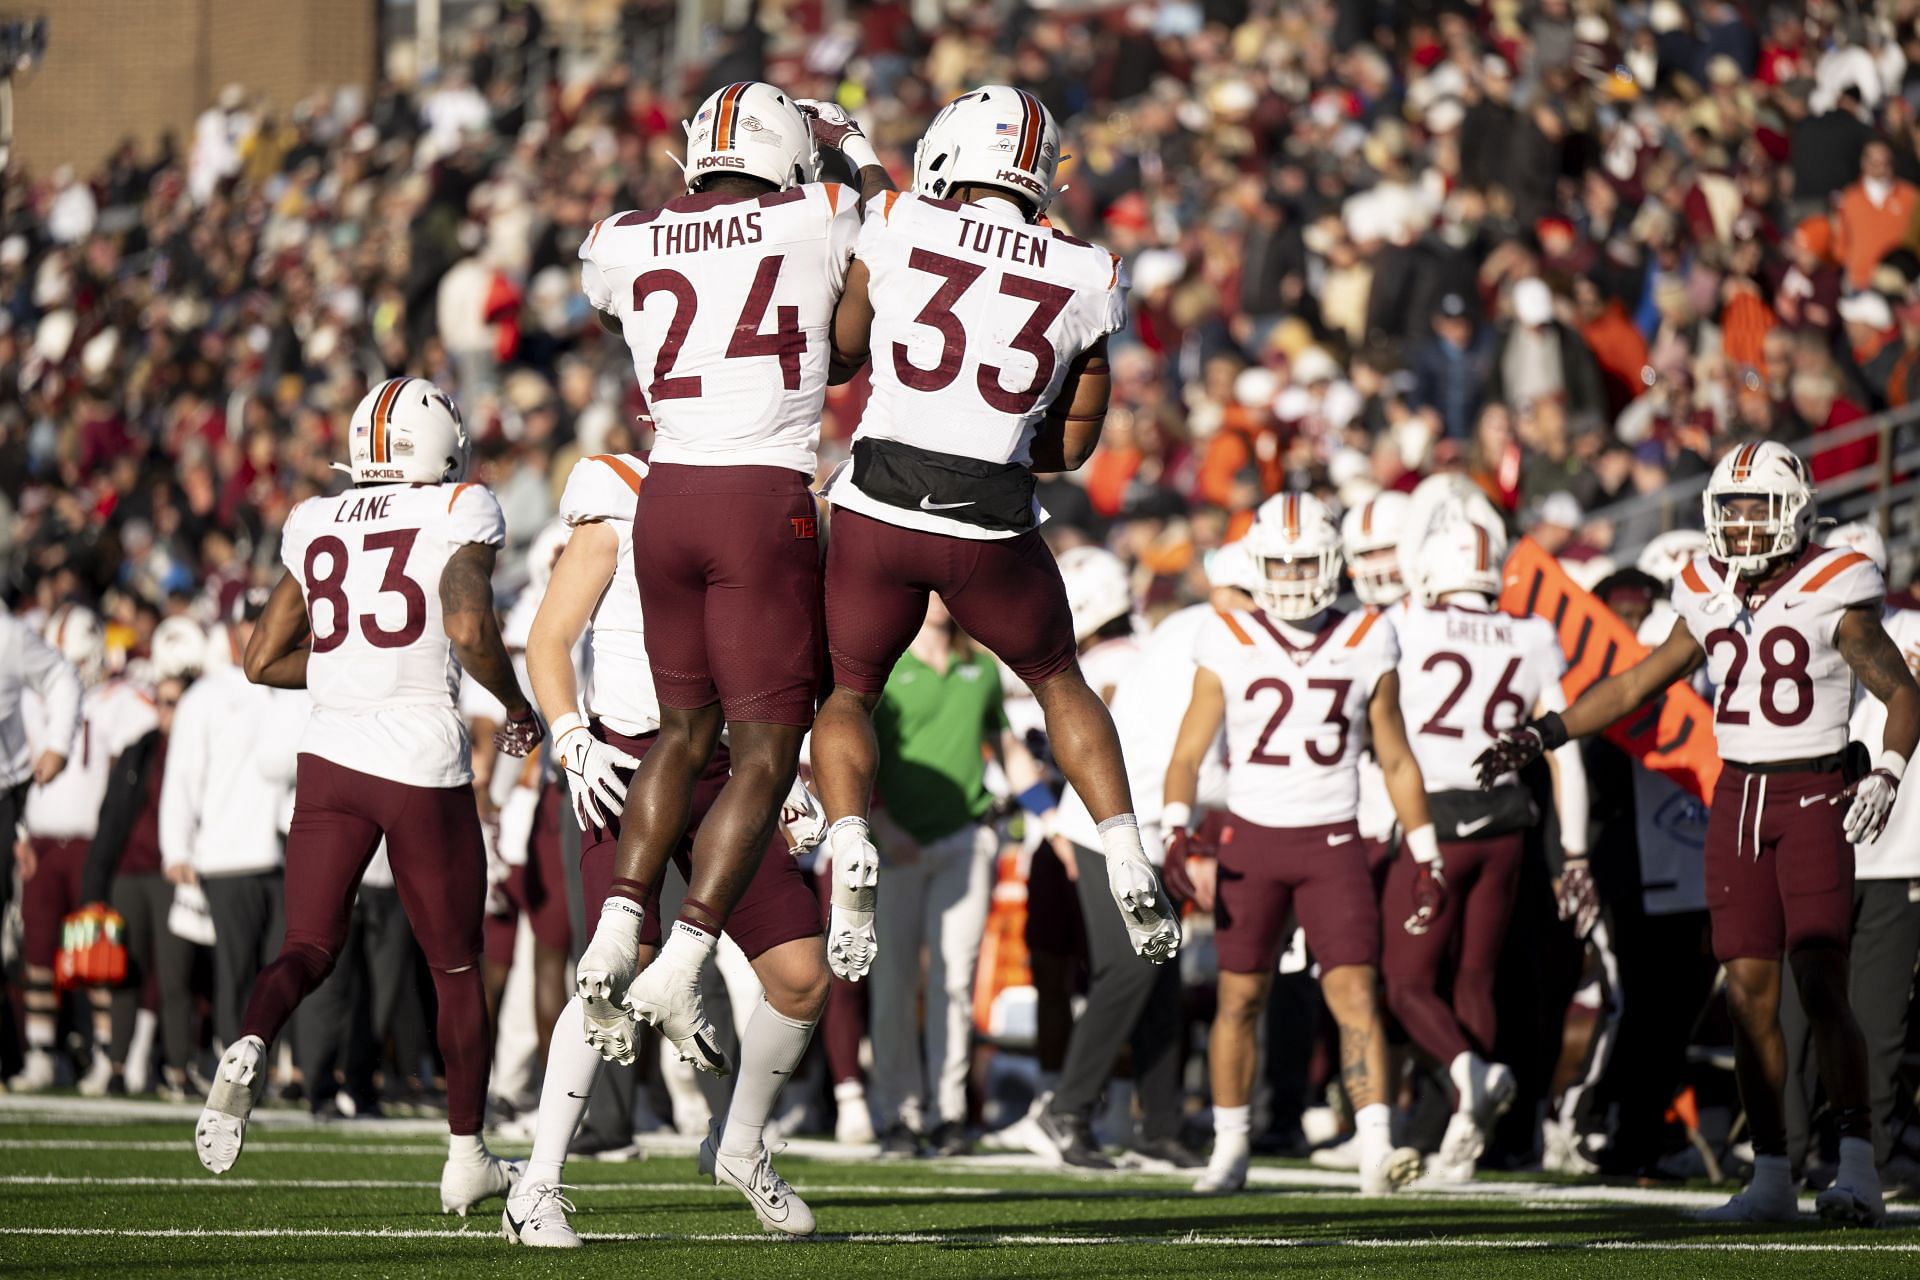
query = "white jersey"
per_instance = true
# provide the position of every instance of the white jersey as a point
(113, 716)
(1468, 674)
(977, 315)
(1149, 701)
(1784, 691)
(619, 684)
(1376, 817)
(383, 675)
(726, 303)
(1896, 854)
(1296, 714)
(30, 670)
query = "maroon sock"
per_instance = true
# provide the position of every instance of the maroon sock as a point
(466, 1042)
(700, 916)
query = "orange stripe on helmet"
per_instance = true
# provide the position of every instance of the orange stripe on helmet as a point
(1032, 126)
(378, 450)
(724, 114)
(1366, 519)
(1292, 516)
(1743, 461)
(1481, 550)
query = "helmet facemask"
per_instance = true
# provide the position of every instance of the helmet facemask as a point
(1376, 575)
(1749, 538)
(1297, 585)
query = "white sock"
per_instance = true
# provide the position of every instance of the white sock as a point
(468, 1147)
(1374, 1124)
(1856, 1162)
(1232, 1127)
(688, 946)
(1460, 1071)
(1120, 838)
(572, 1068)
(1772, 1178)
(769, 1052)
(40, 1032)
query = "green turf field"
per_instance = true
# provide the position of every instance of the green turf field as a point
(91, 1194)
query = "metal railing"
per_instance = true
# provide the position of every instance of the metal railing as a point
(1868, 493)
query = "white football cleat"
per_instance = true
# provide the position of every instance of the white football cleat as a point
(36, 1073)
(667, 997)
(1562, 1151)
(1391, 1172)
(604, 971)
(853, 1123)
(1226, 1172)
(99, 1074)
(1852, 1204)
(238, 1082)
(1754, 1205)
(1344, 1156)
(779, 1209)
(1459, 1150)
(464, 1183)
(539, 1219)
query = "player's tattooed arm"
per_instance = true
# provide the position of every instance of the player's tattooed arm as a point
(1878, 663)
(1067, 435)
(1619, 695)
(852, 331)
(473, 628)
(277, 651)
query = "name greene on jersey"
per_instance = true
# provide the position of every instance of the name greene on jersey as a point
(703, 237)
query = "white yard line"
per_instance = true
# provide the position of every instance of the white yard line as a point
(976, 1238)
(225, 1182)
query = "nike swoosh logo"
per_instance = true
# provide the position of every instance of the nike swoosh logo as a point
(1812, 800)
(928, 504)
(1793, 604)
(579, 1096)
(518, 1224)
(1468, 828)
(1339, 840)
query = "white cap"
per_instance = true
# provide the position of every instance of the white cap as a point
(1868, 308)
(1532, 302)
(1560, 508)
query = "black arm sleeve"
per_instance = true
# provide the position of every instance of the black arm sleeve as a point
(126, 792)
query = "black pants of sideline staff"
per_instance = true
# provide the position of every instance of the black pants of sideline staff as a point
(1130, 1001)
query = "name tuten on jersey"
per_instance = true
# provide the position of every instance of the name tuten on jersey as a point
(1017, 243)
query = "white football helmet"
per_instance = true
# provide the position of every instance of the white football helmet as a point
(1292, 530)
(179, 648)
(1370, 536)
(1232, 566)
(750, 128)
(406, 430)
(1863, 538)
(995, 136)
(1671, 552)
(1766, 470)
(1098, 589)
(75, 631)
(1462, 556)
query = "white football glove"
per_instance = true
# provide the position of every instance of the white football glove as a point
(593, 776)
(1145, 909)
(855, 868)
(802, 816)
(1873, 798)
(833, 127)
(605, 970)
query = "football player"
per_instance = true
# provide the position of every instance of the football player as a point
(601, 733)
(1301, 688)
(1129, 1001)
(735, 375)
(1784, 626)
(40, 706)
(387, 598)
(62, 815)
(988, 330)
(1468, 671)
(1370, 540)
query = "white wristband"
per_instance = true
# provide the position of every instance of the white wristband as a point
(1893, 762)
(1175, 816)
(1423, 844)
(566, 723)
(859, 152)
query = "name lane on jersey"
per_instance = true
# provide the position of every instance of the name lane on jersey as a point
(371, 507)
